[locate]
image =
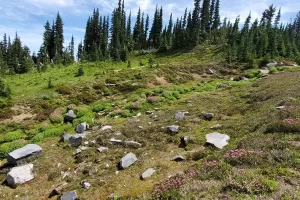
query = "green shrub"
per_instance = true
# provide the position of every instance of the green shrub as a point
(273, 70)
(250, 183)
(158, 90)
(99, 86)
(102, 107)
(176, 94)
(50, 84)
(80, 71)
(64, 89)
(51, 131)
(9, 147)
(5, 91)
(11, 136)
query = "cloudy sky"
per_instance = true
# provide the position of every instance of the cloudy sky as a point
(27, 17)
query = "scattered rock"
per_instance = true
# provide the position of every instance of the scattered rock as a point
(57, 190)
(77, 151)
(184, 141)
(243, 78)
(85, 185)
(131, 144)
(65, 137)
(105, 128)
(208, 116)
(173, 130)
(272, 64)
(20, 175)
(180, 115)
(95, 128)
(264, 71)
(23, 154)
(69, 196)
(127, 160)
(139, 114)
(102, 149)
(216, 127)
(69, 116)
(113, 141)
(217, 139)
(148, 173)
(149, 112)
(75, 140)
(112, 196)
(92, 143)
(281, 107)
(82, 127)
(210, 71)
(83, 148)
(178, 158)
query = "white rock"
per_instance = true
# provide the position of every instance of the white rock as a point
(102, 149)
(24, 153)
(217, 139)
(20, 175)
(85, 185)
(104, 128)
(148, 173)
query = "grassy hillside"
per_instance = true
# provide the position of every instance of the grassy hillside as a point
(261, 161)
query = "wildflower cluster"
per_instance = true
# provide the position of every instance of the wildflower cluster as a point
(165, 188)
(236, 153)
(290, 121)
(213, 163)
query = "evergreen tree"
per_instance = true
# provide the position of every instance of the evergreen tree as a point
(72, 49)
(216, 17)
(59, 39)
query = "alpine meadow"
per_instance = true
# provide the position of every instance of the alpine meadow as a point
(199, 106)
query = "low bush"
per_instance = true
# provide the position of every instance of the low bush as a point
(102, 107)
(248, 182)
(12, 136)
(64, 89)
(8, 147)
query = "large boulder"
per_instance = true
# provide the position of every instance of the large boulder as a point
(69, 196)
(82, 127)
(20, 175)
(23, 154)
(75, 140)
(217, 139)
(127, 160)
(69, 116)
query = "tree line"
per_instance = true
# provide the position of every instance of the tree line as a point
(114, 37)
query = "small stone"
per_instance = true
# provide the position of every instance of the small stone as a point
(180, 115)
(69, 196)
(118, 133)
(105, 128)
(85, 185)
(149, 112)
(57, 190)
(107, 165)
(127, 160)
(117, 172)
(77, 151)
(173, 130)
(112, 196)
(208, 116)
(69, 116)
(141, 127)
(216, 127)
(210, 71)
(65, 137)
(82, 127)
(281, 107)
(178, 158)
(102, 149)
(75, 140)
(148, 173)
(86, 143)
(139, 114)
(83, 148)
(184, 141)
(92, 143)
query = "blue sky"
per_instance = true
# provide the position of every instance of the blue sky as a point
(28, 17)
